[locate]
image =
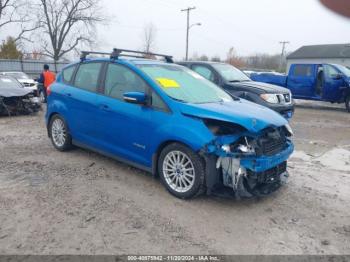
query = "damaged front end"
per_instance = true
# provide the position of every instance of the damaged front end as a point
(18, 104)
(242, 163)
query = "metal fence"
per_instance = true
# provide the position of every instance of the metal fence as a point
(31, 67)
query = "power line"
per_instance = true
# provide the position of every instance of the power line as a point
(188, 10)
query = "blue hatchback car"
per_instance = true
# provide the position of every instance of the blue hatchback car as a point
(170, 121)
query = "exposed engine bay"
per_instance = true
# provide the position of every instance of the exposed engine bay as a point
(249, 164)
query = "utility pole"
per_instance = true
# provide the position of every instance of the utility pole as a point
(283, 43)
(188, 10)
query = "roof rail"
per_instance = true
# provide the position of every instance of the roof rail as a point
(129, 53)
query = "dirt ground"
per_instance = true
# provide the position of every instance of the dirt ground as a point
(84, 203)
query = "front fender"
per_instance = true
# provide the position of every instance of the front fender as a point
(193, 134)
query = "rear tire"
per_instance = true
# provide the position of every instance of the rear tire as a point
(58, 131)
(347, 103)
(181, 171)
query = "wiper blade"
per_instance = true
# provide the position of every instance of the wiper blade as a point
(238, 81)
(179, 100)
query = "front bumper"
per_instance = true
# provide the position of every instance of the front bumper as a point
(263, 163)
(286, 110)
(248, 176)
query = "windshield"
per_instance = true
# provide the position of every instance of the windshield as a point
(182, 84)
(230, 73)
(344, 70)
(17, 75)
(7, 81)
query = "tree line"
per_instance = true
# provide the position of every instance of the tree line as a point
(259, 61)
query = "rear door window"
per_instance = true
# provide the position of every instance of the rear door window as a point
(87, 76)
(303, 70)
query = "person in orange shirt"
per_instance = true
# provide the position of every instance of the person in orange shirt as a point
(46, 79)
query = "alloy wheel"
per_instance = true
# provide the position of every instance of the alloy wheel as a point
(58, 132)
(178, 171)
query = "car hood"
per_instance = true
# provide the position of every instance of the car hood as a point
(263, 87)
(242, 112)
(13, 92)
(26, 80)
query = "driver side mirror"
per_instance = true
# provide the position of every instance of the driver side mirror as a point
(337, 76)
(135, 98)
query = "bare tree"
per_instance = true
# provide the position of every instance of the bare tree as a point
(16, 12)
(234, 59)
(149, 37)
(8, 12)
(65, 24)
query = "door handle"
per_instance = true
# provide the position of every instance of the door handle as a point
(68, 94)
(105, 107)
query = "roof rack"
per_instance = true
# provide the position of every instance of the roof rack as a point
(129, 53)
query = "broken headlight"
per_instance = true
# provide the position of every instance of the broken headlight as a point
(242, 146)
(221, 128)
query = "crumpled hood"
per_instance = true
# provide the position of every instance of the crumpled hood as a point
(249, 115)
(14, 92)
(268, 88)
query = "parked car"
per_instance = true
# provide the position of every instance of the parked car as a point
(15, 99)
(170, 121)
(235, 82)
(320, 82)
(24, 79)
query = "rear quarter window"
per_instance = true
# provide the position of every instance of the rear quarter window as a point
(67, 74)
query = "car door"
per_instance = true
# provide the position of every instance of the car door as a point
(124, 127)
(81, 101)
(333, 83)
(302, 80)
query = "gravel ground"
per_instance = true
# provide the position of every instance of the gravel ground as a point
(84, 203)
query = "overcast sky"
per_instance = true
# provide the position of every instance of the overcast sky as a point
(250, 26)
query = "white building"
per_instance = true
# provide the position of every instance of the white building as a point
(321, 54)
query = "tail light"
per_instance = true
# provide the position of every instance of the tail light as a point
(48, 90)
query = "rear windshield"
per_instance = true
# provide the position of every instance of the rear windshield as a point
(184, 85)
(6, 81)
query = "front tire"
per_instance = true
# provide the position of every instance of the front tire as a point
(347, 103)
(59, 134)
(181, 171)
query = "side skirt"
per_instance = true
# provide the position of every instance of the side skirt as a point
(120, 159)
